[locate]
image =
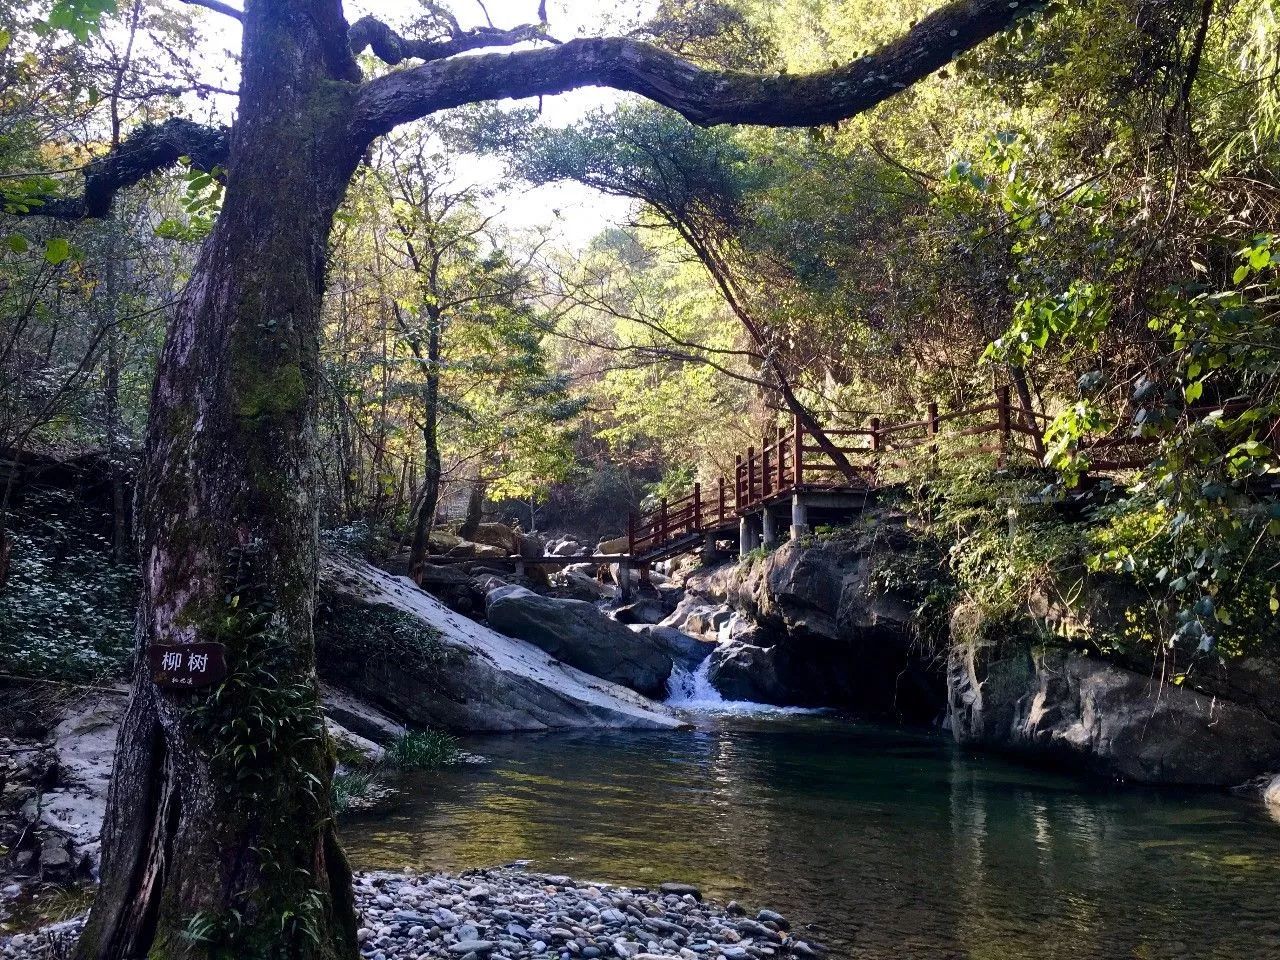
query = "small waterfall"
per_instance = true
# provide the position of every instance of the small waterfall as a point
(692, 689)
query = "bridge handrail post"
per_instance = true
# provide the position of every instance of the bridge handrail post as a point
(781, 441)
(751, 474)
(697, 507)
(766, 474)
(631, 533)
(798, 433)
(933, 427)
(737, 483)
(720, 496)
(662, 522)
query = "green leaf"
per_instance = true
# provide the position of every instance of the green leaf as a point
(5, 39)
(1193, 391)
(1240, 274)
(18, 243)
(1259, 258)
(79, 17)
(57, 250)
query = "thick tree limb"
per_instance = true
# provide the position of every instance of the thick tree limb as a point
(151, 148)
(705, 97)
(392, 48)
(217, 6)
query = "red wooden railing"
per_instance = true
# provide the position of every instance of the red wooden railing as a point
(792, 461)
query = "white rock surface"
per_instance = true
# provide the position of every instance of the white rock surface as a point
(85, 743)
(499, 683)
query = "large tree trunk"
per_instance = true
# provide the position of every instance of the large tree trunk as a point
(219, 839)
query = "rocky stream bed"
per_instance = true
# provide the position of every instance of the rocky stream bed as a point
(509, 913)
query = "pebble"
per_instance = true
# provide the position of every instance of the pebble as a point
(507, 913)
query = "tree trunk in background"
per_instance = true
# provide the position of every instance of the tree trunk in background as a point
(1028, 409)
(219, 839)
(120, 533)
(431, 451)
(475, 510)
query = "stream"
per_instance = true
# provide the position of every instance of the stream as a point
(891, 843)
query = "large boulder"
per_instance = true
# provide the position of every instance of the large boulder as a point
(399, 648)
(467, 550)
(742, 671)
(644, 610)
(616, 545)
(579, 634)
(696, 615)
(496, 535)
(1105, 718)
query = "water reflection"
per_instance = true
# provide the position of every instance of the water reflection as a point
(893, 844)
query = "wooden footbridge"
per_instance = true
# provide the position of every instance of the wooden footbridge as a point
(790, 477)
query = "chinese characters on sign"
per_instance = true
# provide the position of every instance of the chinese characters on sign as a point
(187, 665)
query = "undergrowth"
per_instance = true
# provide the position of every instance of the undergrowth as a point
(66, 612)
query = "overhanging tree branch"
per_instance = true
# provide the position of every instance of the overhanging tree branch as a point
(151, 148)
(703, 96)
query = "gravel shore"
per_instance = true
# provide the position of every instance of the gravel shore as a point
(509, 914)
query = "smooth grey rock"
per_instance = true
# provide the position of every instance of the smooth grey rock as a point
(478, 679)
(579, 634)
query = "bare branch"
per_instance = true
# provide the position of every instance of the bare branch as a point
(703, 96)
(217, 6)
(392, 48)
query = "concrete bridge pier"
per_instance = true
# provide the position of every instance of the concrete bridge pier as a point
(748, 534)
(769, 527)
(799, 517)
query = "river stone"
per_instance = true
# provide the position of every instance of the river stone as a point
(680, 890)
(579, 634)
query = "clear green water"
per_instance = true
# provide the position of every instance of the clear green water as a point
(892, 844)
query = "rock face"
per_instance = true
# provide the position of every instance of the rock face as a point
(820, 628)
(743, 671)
(476, 679)
(1107, 719)
(579, 634)
(685, 651)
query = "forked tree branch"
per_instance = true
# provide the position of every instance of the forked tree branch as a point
(392, 48)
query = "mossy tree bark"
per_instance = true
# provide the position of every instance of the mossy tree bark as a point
(219, 839)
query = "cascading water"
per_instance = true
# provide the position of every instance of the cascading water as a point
(692, 690)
